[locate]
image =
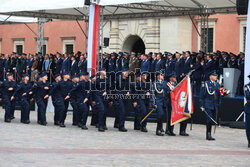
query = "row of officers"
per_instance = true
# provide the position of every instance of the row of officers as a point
(99, 93)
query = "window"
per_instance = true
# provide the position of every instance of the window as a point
(68, 44)
(44, 49)
(69, 48)
(244, 38)
(18, 45)
(19, 49)
(210, 39)
(243, 29)
(211, 33)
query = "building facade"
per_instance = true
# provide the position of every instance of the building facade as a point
(226, 32)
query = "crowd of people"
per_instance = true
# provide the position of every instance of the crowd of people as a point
(152, 76)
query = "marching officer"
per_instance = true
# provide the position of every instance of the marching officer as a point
(144, 100)
(8, 89)
(65, 85)
(22, 92)
(210, 100)
(135, 86)
(247, 111)
(41, 93)
(99, 99)
(183, 125)
(160, 87)
(78, 98)
(122, 86)
(58, 101)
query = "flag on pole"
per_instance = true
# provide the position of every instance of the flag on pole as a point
(182, 101)
(94, 12)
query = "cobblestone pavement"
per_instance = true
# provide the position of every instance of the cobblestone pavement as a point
(51, 146)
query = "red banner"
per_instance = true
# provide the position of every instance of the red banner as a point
(181, 101)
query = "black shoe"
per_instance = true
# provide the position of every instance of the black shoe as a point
(183, 133)
(62, 125)
(159, 133)
(101, 129)
(116, 126)
(209, 136)
(123, 129)
(172, 133)
(7, 120)
(27, 122)
(12, 117)
(74, 124)
(167, 132)
(144, 129)
(22, 121)
(137, 128)
(79, 125)
(105, 127)
(39, 122)
(92, 124)
(56, 123)
(84, 127)
(162, 130)
(43, 123)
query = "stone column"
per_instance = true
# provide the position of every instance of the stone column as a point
(114, 36)
(152, 40)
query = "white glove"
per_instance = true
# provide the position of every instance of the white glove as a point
(202, 109)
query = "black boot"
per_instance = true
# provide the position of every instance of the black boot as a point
(183, 127)
(158, 129)
(172, 131)
(209, 136)
(248, 138)
(84, 127)
(123, 129)
(144, 129)
(62, 125)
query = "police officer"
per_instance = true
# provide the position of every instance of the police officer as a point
(41, 93)
(144, 100)
(160, 87)
(8, 89)
(22, 92)
(170, 86)
(99, 100)
(94, 117)
(135, 86)
(210, 100)
(58, 101)
(122, 87)
(85, 91)
(125, 61)
(65, 85)
(247, 111)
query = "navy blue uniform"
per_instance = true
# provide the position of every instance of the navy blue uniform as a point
(100, 107)
(210, 98)
(122, 86)
(39, 90)
(208, 67)
(22, 92)
(186, 65)
(145, 66)
(66, 65)
(58, 102)
(196, 78)
(159, 65)
(77, 95)
(170, 66)
(144, 100)
(247, 111)
(6, 95)
(59, 65)
(135, 87)
(178, 69)
(65, 87)
(82, 66)
(74, 68)
(241, 65)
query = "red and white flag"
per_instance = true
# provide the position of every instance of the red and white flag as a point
(94, 12)
(182, 101)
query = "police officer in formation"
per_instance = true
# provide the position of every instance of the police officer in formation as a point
(247, 111)
(210, 101)
(72, 85)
